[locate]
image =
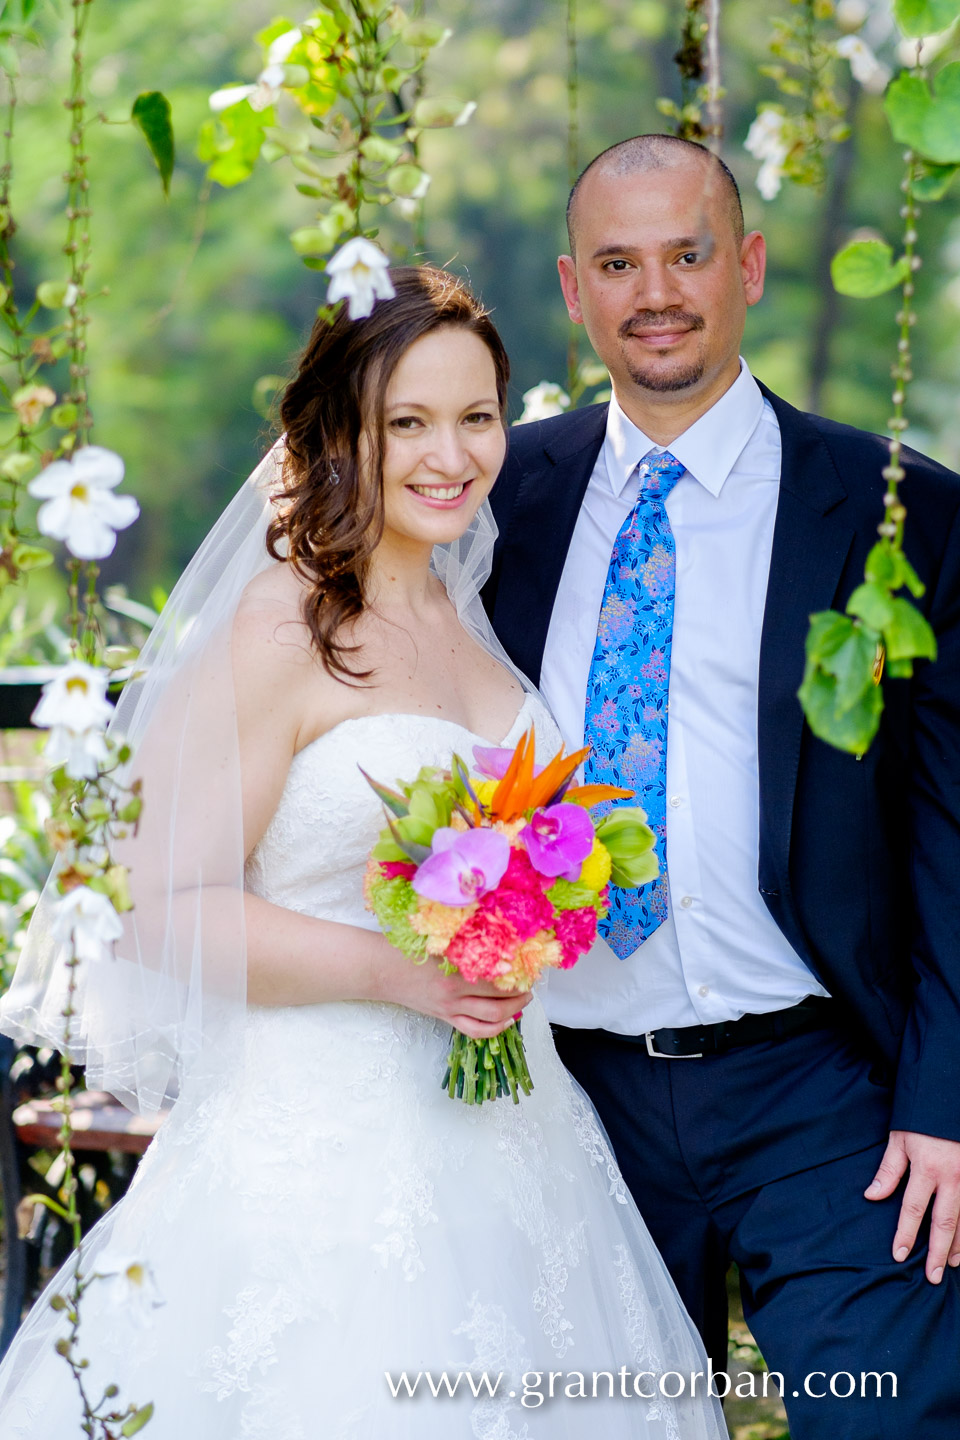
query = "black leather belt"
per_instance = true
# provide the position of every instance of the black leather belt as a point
(693, 1042)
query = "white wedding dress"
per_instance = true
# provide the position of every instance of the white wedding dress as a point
(327, 1215)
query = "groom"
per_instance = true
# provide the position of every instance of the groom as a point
(771, 1033)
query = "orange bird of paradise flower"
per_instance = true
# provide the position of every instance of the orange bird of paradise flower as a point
(521, 790)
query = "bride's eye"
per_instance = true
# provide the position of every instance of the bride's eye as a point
(404, 422)
(478, 417)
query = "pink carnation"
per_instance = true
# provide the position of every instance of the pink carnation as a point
(484, 947)
(392, 869)
(576, 930)
(519, 897)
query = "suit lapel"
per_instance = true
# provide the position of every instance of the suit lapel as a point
(811, 541)
(541, 525)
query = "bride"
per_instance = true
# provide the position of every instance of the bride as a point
(316, 1219)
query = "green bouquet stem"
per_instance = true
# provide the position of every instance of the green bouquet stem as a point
(479, 1070)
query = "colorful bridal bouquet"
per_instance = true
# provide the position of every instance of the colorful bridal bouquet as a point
(498, 876)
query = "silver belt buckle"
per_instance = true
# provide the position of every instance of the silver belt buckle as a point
(661, 1054)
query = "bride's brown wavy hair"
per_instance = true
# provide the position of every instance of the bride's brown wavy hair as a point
(330, 517)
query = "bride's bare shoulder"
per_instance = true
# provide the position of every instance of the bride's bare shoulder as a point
(268, 629)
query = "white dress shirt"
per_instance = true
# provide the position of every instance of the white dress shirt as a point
(719, 954)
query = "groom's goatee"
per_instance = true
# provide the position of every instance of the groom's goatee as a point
(648, 321)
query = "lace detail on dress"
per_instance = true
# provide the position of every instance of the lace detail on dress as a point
(592, 1142)
(646, 1354)
(498, 1353)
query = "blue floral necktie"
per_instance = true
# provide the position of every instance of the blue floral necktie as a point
(627, 692)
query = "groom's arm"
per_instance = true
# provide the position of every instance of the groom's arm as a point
(925, 1126)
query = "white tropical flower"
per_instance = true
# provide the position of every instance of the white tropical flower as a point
(262, 95)
(85, 920)
(81, 509)
(30, 401)
(75, 707)
(76, 698)
(269, 85)
(766, 142)
(866, 69)
(131, 1286)
(230, 95)
(281, 47)
(359, 274)
(543, 401)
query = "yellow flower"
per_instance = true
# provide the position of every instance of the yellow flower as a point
(596, 867)
(439, 923)
(484, 790)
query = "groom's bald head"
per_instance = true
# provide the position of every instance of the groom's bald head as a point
(644, 153)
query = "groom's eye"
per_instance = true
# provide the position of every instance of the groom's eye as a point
(690, 257)
(617, 267)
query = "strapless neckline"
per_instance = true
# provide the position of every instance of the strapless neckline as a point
(427, 719)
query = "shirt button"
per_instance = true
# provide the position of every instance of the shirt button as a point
(676, 801)
(703, 991)
(686, 902)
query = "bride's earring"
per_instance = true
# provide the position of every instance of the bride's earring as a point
(334, 476)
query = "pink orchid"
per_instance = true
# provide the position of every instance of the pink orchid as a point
(464, 865)
(558, 840)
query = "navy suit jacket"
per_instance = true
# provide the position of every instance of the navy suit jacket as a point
(859, 860)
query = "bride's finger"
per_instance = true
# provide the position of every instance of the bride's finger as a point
(480, 1029)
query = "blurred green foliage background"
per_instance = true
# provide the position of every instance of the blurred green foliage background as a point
(188, 328)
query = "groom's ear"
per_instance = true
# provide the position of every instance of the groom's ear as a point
(567, 267)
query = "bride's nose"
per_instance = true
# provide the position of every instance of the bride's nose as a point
(447, 452)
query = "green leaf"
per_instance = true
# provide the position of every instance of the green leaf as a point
(928, 123)
(851, 665)
(882, 567)
(873, 604)
(231, 143)
(137, 1420)
(924, 17)
(909, 577)
(934, 182)
(908, 636)
(151, 113)
(851, 729)
(866, 268)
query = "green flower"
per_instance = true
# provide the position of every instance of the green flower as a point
(393, 902)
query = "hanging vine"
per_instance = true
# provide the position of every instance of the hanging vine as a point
(842, 693)
(697, 116)
(792, 142)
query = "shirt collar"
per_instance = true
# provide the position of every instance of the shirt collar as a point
(709, 449)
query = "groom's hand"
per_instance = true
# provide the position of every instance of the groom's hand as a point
(934, 1171)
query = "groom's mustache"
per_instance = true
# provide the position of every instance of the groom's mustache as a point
(649, 320)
